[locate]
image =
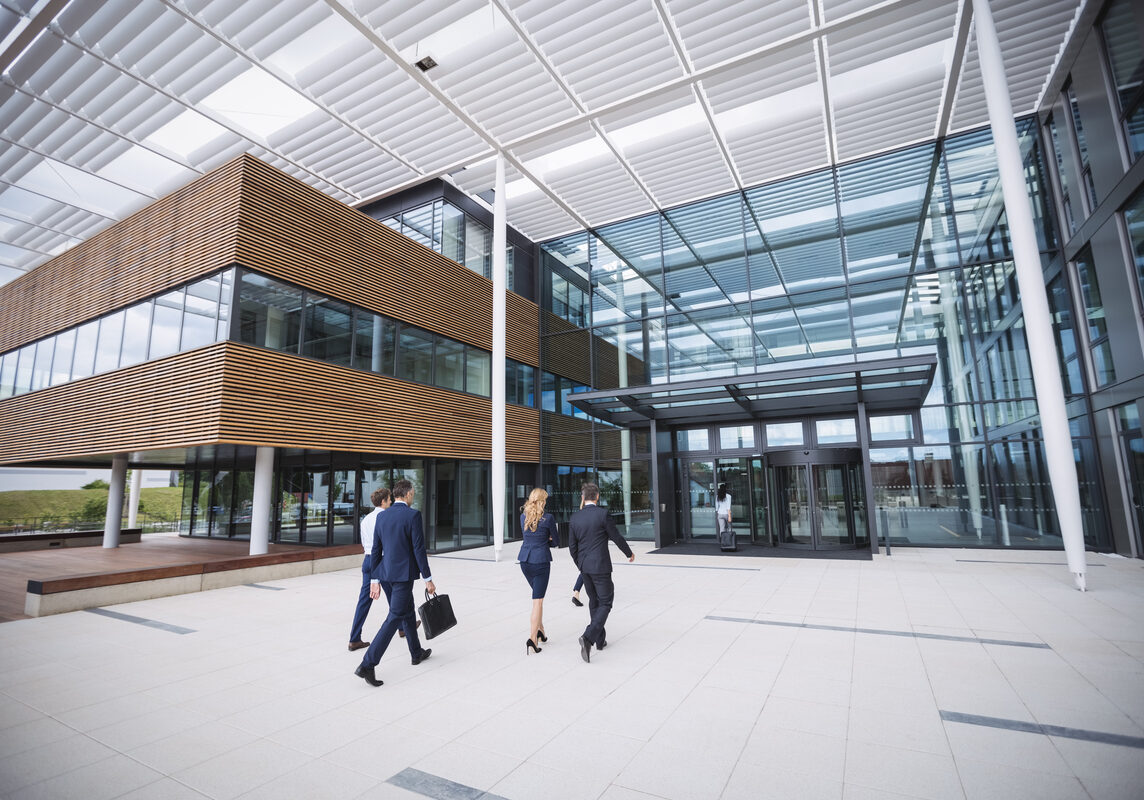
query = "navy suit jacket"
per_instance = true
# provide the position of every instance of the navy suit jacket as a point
(399, 536)
(588, 533)
(535, 547)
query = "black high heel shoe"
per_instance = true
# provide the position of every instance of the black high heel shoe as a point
(530, 645)
(540, 637)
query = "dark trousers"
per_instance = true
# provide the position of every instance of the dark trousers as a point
(363, 601)
(401, 615)
(601, 593)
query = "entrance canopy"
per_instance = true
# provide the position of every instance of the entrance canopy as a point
(884, 384)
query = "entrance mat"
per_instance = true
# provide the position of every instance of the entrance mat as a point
(763, 551)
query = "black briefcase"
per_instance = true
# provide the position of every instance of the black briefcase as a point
(436, 614)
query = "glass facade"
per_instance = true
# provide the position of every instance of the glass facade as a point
(176, 321)
(271, 314)
(903, 255)
(320, 497)
(441, 226)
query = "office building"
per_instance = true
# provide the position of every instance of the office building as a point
(770, 246)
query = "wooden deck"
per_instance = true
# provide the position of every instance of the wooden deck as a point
(16, 569)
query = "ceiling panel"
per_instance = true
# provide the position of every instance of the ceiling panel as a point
(124, 92)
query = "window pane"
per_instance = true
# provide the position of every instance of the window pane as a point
(110, 339)
(453, 233)
(478, 247)
(692, 440)
(328, 330)
(736, 438)
(374, 343)
(478, 372)
(270, 313)
(137, 328)
(1134, 219)
(417, 224)
(8, 373)
(527, 386)
(202, 307)
(42, 369)
(835, 431)
(1121, 27)
(780, 434)
(548, 391)
(224, 303)
(415, 355)
(165, 324)
(62, 360)
(891, 428)
(26, 357)
(84, 360)
(450, 371)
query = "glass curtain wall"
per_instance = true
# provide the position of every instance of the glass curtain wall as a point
(321, 497)
(898, 255)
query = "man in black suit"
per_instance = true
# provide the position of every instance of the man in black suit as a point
(588, 533)
(400, 536)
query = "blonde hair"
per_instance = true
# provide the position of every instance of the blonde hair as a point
(533, 509)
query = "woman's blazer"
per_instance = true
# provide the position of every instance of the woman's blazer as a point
(537, 543)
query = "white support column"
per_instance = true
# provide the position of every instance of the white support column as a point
(1034, 299)
(497, 466)
(113, 521)
(133, 497)
(260, 511)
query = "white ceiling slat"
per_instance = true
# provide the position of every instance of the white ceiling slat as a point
(718, 30)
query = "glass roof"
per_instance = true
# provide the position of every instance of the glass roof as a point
(604, 111)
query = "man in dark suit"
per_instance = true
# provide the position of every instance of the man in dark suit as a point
(588, 533)
(400, 535)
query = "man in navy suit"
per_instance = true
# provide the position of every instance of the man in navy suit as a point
(589, 530)
(400, 535)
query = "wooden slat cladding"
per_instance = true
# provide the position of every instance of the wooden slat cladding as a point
(248, 212)
(186, 234)
(566, 348)
(170, 403)
(282, 400)
(292, 231)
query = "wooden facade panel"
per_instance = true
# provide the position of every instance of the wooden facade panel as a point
(186, 234)
(292, 231)
(281, 400)
(250, 213)
(170, 403)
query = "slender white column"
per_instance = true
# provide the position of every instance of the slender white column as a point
(260, 507)
(1034, 299)
(133, 497)
(498, 366)
(113, 521)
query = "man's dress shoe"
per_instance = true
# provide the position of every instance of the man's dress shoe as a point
(358, 645)
(366, 674)
(401, 633)
(423, 657)
(585, 649)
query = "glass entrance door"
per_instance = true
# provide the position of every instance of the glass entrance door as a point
(817, 499)
(700, 494)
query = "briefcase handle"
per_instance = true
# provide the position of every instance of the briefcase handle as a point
(428, 595)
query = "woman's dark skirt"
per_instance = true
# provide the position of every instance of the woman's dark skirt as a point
(537, 576)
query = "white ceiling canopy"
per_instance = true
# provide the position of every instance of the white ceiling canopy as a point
(604, 109)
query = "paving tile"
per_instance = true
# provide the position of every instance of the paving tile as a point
(102, 780)
(237, 771)
(47, 760)
(986, 780)
(909, 772)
